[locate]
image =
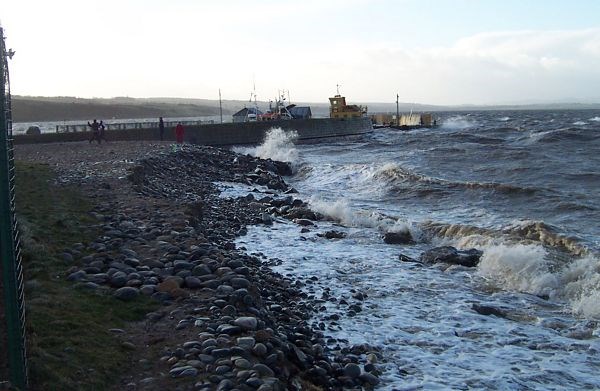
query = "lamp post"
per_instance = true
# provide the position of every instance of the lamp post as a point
(397, 110)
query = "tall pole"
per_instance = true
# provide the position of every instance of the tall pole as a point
(397, 110)
(220, 106)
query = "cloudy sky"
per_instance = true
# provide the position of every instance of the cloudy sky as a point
(428, 51)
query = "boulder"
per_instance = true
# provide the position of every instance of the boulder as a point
(126, 293)
(403, 237)
(449, 254)
(332, 235)
(34, 130)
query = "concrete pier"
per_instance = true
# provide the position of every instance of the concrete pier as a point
(220, 134)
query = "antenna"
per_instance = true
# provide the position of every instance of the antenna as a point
(220, 106)
(338, 88)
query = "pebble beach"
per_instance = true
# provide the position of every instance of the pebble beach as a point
(226, 320)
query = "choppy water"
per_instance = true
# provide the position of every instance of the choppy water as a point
(521, 186)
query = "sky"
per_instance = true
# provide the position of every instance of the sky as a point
(443, 52)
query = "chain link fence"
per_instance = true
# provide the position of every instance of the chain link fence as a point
(13, 362)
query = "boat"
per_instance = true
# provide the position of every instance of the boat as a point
(338, 109)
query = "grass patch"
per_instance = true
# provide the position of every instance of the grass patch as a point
(70, 345)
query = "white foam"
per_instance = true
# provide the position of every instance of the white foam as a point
(504, 119)
(581, 286)
(595, 119)
(278, 145)
(458, 122)
(341, 212)
(519, 267)
(579, 123)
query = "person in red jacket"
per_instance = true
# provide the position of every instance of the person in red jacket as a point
(179, 133)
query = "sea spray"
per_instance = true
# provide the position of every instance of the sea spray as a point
(278, 145)
(520, 267)
(341, 212)
(459, 122)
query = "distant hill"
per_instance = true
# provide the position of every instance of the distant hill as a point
(39, 109)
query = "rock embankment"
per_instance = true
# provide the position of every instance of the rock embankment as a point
(227, 321)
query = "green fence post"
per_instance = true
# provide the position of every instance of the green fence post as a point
(10, 258)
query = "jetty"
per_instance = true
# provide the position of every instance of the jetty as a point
(217, 134)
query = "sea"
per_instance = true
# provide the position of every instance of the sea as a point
(521, 186)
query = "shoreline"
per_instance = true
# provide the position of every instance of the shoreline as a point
(226, 320)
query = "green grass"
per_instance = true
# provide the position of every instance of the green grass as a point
(70, 345)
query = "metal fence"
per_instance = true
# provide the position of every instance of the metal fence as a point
(11, 270)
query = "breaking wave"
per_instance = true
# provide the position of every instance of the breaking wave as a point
(523, 258)
(395, 174)
(527, 268)
(459, 122)
(568, 134)
(278, 145)
(526, 232)
(341, 212)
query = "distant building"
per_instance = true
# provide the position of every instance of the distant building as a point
(339, 109)
(247, 114)
(300, 112)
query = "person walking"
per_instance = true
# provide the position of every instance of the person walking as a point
(95, 131)
(179, 132)
(102, 133)
(161, 128)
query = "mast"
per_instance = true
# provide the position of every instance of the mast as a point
(397, 110)
(220, 106)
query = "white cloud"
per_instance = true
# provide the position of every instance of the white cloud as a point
(191, 49)
(494, 67)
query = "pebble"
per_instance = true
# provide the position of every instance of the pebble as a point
(126, 293)
(246, 322)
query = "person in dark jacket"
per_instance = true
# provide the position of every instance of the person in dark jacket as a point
(95, 131)
(102, 133)
(161, 128)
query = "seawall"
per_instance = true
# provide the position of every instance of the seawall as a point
(221, 134)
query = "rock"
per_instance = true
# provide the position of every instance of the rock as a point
(263, 370)
(126, 293)
(147, 290)
(369, 378)
(246, 342)
(449, 254)
(33, 130)
(184, 371)
(201, 270)
(193, 282)
(403, 237)
(118, 280)
(77, 276)
(304, 222)
(260, 349)
(406, 258)
(238, 283)
(332, 235)
(352, 370)
(267, 219)
(246, 322)
(128, 345)
(489, 310)
(242, 363)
